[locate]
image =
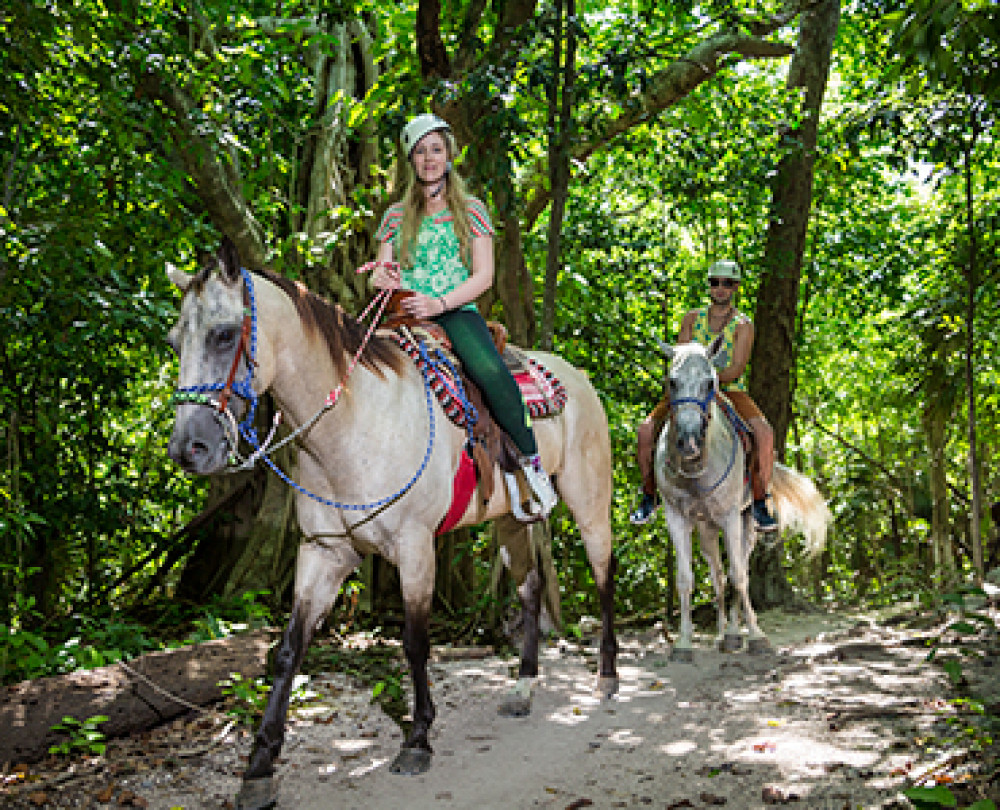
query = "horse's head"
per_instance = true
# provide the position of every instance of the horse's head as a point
(212, 342)
(693, 383)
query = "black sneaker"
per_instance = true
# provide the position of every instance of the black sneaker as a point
(762, 519)
(646, 510)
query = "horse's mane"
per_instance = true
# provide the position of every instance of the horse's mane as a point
(342, 333)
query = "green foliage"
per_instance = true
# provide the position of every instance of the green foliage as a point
(83, 737)
(246, 697)
(930, 798)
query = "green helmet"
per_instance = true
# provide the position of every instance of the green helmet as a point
(417, 127)
(724, 269)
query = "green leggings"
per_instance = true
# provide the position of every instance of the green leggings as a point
(472, 343)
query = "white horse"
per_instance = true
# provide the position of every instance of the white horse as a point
(377, 458)
(700, 471)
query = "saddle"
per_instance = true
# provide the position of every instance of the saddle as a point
(544, 395)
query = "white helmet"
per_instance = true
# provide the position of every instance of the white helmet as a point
(724, 269)
(417, 127)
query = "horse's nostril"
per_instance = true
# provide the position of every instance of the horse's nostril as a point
(195, 450)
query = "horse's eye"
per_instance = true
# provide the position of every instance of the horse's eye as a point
(224, 337)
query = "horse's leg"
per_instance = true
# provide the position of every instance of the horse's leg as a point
(680, 535)
(585, 486)
(741, 529)
(416, 573)
(517, 552)
(728, 637)
(319, 573)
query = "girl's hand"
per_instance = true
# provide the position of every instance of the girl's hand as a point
(386, 276)
(423, 306)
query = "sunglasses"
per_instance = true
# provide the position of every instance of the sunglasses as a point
(725, 282)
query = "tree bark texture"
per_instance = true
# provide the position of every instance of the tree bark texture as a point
(778, 295)
(775, 340)
(168, 683)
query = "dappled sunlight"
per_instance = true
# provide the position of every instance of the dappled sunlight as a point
(361, 770)
(679, 748)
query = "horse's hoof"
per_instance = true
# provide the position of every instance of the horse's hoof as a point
(731, 642)
(257, 794)
(607, 686)
(411, 762)
(758, 646)
(682, 655)
(514, 705)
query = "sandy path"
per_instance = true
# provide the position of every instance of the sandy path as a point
(830, 719)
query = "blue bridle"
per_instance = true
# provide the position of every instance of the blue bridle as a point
(199, 394)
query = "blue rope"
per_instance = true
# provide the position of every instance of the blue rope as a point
(359, 506)
(244, 389)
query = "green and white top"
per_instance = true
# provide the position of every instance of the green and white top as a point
(436, 267)
(701, 333)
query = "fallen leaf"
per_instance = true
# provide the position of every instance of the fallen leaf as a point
(680, 804)
(578, 804)
(39, 798)
(105, 795)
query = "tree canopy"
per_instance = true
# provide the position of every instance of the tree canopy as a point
(653, 138)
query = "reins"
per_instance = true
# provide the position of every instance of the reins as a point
(247, 347)
(704, 405)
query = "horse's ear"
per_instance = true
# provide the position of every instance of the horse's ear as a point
(665, 349)
(229, 259)
(179, 278)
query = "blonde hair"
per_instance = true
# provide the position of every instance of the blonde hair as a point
(456, 198)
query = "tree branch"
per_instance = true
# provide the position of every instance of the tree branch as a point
(664, 90)
(215, 180)
(434, 63)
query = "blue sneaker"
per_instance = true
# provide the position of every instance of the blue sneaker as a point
(646, 510)
(763, 520)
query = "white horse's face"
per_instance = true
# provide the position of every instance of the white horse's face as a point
(206, 338)
(692, 384)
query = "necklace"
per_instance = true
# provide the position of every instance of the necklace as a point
(720, 320)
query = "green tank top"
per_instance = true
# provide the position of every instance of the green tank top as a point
(701, 333)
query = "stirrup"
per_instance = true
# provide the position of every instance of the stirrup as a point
(540, 483)
(517, 505)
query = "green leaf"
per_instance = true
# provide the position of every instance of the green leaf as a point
(938, 796)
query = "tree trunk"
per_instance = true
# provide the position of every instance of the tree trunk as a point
(775, 343)
(778, 296)
(975, 533)
(166, 685)
(560, 123)
(935, 424)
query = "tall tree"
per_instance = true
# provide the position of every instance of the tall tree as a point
(775, 343)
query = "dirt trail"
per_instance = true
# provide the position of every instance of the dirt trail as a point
(837, 716)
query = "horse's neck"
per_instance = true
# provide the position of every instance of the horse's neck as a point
(368, 405)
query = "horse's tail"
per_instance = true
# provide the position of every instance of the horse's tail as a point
(800, 507)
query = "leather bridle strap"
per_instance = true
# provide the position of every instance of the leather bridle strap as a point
(242, 350)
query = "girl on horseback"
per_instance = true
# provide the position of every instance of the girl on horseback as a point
(438, 242)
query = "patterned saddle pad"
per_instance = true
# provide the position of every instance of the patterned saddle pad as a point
(543, 393)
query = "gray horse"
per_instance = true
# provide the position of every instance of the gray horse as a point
(699, 464)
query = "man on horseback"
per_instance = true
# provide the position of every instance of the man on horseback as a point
(722, 325)
(438, 242)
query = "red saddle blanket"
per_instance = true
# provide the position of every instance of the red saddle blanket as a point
(543, 393)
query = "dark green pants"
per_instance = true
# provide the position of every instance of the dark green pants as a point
(472, 343)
